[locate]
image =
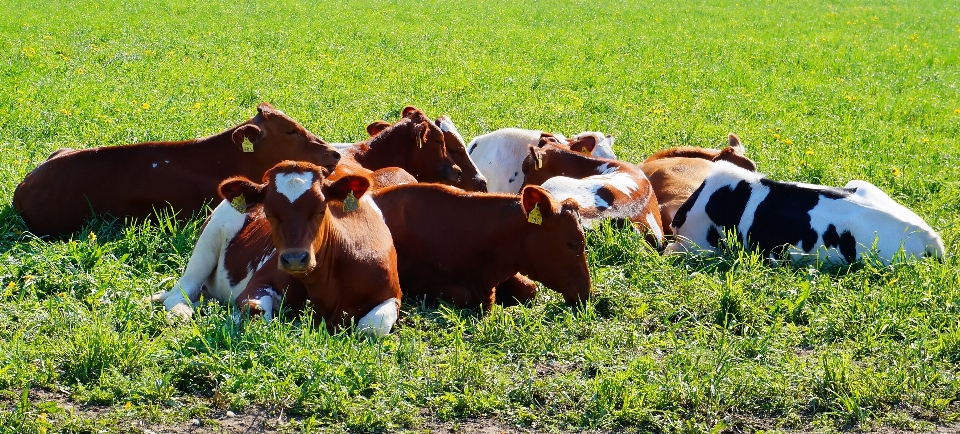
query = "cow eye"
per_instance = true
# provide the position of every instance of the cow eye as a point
(572, 246)
(292, 132)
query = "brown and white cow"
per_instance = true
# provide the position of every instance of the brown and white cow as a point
(457, 246)
(414, 144)
(297, 238)
(132, 181)
(604, 188)
(676, 173)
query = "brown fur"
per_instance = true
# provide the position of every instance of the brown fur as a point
(413, 144)
(352, 264)
(456, 246)
(57, 197)
(548, 160)
(677, 172)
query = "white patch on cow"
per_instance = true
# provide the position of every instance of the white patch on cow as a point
(758, 193)
(584, 191)
(604, 148)
(623, 182)
(368, 199)
(657, 230)
(293, 185)
(154, 165)
(222, 226)
(499, 155)
(380, 319)
(447, 125)
(266, 304)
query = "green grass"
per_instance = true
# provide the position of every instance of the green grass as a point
(818, 93)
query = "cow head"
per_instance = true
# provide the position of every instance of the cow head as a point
(296, 200)
(271, 137)
(470, 178)
(414, 144)
(602, 144)
(554, 250)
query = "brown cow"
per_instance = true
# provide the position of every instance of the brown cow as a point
(57, 197)
(604, 188)
(457, 246)
(677, 172)
(413, 144)
(298, 238)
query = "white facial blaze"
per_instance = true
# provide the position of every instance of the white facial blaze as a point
(293, 185)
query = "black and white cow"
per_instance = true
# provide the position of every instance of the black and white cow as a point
(804, 221)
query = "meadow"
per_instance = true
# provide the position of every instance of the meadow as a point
(818, 92)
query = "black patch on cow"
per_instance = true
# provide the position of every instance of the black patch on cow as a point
(726, 205)
(783, 218)
(607, 196)
(514, 177)
(681, 217)
(472, 148)
(846, 243)
(713, 237)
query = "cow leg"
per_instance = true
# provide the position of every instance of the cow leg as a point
(517, 289)
(380, 320)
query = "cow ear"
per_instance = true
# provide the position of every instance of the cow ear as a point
(420, 133)
(376, 127)
(250, 132)
(534, 159)
(266, 110)
(340, 189)
(238, 187)
(730, 154)
(585, 145)
(414, 114)
(407, 110)
(535, 200)
(736, 145)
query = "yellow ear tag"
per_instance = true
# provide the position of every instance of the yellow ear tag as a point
(535, 217)
(247, 145)
(239, 204)
(419, 142)
(351, 203)
(584, 151)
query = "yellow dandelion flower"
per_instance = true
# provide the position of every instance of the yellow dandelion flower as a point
(802, 162)
(126, 406)
(770, 130)
(788, 142)
(196, 106)
(145, 105)
(79, 70)
(957, 111)
(895, 171)
(809, 151)
(925, 140)
(776, 136)
(11, 285)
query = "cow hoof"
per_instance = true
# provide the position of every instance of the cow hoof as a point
(180, 311)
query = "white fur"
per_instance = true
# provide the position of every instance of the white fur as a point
(584, 191)
(293, 185)
(655, 227)
(340, 147)
(499, 156)
(380, 319)
(368, 199)
(223, 225)
(266, 304)
(873, 218)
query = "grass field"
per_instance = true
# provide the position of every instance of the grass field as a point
(818, 93)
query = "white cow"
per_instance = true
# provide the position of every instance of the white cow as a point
(806, 222)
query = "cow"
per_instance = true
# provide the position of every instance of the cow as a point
(414, 144)
(677, 172)
(471, 179)
(604, 188)
(499, 154)
(807, 223)
(296, 237)
(457, 246)
(130, 182)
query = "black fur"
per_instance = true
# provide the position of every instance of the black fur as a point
(681, 217)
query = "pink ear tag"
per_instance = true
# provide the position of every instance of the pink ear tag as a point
(247, 145)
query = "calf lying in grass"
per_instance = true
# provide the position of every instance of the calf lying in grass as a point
(456, 246)
(808, 223)
(296, 238)
(57, 197)
(603, 188)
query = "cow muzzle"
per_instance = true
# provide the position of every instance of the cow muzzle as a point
(295, 261)
(453, 173)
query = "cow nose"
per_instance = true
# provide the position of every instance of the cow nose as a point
(336, 155)
(455, 173)
(294, 261)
